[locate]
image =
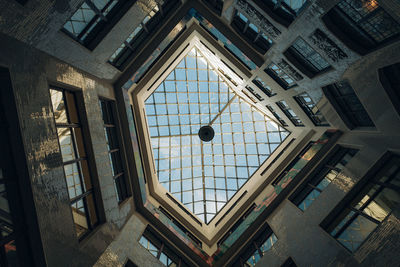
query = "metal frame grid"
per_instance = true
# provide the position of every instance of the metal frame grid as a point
(289, 113)
(85, 19)
(369, 208)
(76, 169)
(309, 107)
(291, 6)
(204, 176)
(308, 54)
(370, 18)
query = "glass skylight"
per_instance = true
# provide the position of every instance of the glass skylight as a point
(205, 175)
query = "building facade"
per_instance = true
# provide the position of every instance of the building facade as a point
(106, 159)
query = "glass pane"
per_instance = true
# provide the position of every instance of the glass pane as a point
(268, 243)
(57, 101)
(383, 204)
(356, 233)
(6, 224)
(73, 180)
(79, 215)
(66, 144)
(309, 199)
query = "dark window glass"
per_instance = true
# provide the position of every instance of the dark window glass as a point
(289, 263)
(362, 25)
(254, 93)
(322, 177)
(215, 5)
(149, 25)
(75, 161)
(263, 86)
(276, 115)
(259, 247)
(280, 76)
(309, 107)
(251, 33)
(389, 76)
(129, 263)
(161, 249)
(353, 224)
(284, 11)
(112, 133)
(289, 113)
(94, 19)
(305, 58)
(343, 98)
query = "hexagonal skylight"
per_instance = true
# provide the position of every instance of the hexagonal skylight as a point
(205, 175)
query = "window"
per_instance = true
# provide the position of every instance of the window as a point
(343, 98)
(283, 11)
(362, 25)
(129, 263)
(94, 19)
(75, 160)
(354, 223)
(289, 113)
(215, 5)
(322, 177)
(289, 263)
(163, 251)
(309, 107)
(389, 76)
(306, 59)
(292, 163)
(263, 86)
(257, 247)
(149, 25)
(251, 33)
(280, 76)
(254, 93)
(113, 137)
(276, 115)
(236, 225)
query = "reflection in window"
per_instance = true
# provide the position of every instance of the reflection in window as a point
(257, 247)
(289, 113)
(322, 177)
(306, 58)
(309, 107)
(261, 249)
(343, 98)
(362, 24)
(376, 200)
(93, 17)
(276, 115)
(263, 86)
(251, 33)
(112, 132)
(75, 160)
(205, 175)
(165, 253)
(280, 76)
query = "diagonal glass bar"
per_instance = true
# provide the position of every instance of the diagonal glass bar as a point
(205, 175)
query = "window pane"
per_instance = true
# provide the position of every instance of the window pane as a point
(79, 215)
(66, 144)
(57, 100)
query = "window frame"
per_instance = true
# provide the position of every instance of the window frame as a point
(341, 108)
(312, 180)
(314, 117)
(303, 61)
(276, 115)
(121, 179)
(259, 82)
(101, 28)
(356, 194)
(258, 40)
(285, 109)
(92, 173)
(277, 77)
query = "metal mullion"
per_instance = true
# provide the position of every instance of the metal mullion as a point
(118, 175)
(109, 125)
(234, 155)
(68, 125)
(190, 124)
(255, 135)
(314, 187)
(81, 196)
(365, 215)
(73, 161)
(244, 140)
(223, 109)
(95, 9)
